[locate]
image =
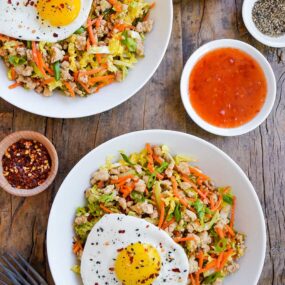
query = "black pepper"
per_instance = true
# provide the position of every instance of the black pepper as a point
(269, 17)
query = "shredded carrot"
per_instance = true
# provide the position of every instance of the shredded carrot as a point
(212, 202)
(192, 279)
(230, 231)
(226, 257)
(48, 80)
(200, 258)
(184, 202)
(183, 239)
(101, 78)
(162, 213)
(77, 247)
(88, 44)
(99, 58)
(157, 159)
(233, 213)
(105, 209)
(91, 72)
(199, 174)
(220, 232)
(85, 87)
(127, 190)
(14, 85)
(34, 53)
(90, 32)
(167, 224)
(41, 63)
(4, 38)
(219, 260)
(209, 266)
(117, 5)
(13, 73)
(69, 88)
(100, 184)
(122, 179)
(159, 176)
(122, 27)
(216, 207)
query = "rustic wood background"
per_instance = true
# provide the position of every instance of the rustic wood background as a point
(261, 153)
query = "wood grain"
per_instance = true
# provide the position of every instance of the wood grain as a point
(261, 153)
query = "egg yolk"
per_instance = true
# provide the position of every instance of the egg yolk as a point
(59, 12)
(138, 264)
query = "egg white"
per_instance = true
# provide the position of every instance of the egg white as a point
(19, 20)
(114, 232)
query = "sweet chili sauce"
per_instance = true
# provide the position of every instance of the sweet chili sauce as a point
(227, 87)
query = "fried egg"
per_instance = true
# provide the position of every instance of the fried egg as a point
(42, 20)
(127, 250)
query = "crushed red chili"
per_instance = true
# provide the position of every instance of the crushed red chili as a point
(26, 164)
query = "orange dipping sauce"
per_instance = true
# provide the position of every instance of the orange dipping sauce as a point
(227, 87)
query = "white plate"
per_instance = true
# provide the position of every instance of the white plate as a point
(223, 170)
(270, 80)
(58, 106)
(277, 42)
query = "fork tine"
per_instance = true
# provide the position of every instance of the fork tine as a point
(10, 275)
(3, 277)
(28, 276)
(36, 274)
(15, 271)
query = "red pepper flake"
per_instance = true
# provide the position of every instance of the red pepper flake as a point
(122, 231)
(176, 270)
(26, 164)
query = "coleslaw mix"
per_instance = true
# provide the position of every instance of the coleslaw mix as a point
(99, 53)
(173, 194)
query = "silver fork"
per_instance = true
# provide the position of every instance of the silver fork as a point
(17, 271)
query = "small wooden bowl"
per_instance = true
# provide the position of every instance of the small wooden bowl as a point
(28, 135)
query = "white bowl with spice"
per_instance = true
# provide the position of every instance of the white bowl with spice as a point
(265, 20)
(228, 87)
(29, 163)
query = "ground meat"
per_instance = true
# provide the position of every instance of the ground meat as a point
(81, 220)
(100, 175)
(183, 167)
(147, 208)
(80, 42)
(47, 92)
(140, 186)
(21, 51)
(157, 151)
(140, 47)
(24, 70)
(169, 170)
(144, 27)
(191, 215)
(109, 189)
(66, 76)
(123, 203)
(57, 53)
(193, 265)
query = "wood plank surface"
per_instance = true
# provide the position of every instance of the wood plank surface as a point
(261, 153)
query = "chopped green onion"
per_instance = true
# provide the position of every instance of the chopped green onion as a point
(162, 167)
(228, 198)
(177, 213)
(16, 60)
(221, 245)
(80, 31)
(126, 159)
(129, 42)
(151, 180)
(29, 44)
(56, 68)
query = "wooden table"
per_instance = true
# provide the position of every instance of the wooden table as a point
(261, 153)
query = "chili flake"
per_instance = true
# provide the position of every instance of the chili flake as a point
(26, 164)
